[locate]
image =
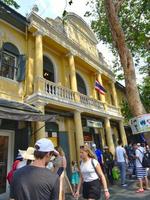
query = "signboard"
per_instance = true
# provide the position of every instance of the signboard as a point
(140, 124)
(94, 124)
(87, 137)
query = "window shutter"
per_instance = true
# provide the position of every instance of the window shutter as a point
(21, 68)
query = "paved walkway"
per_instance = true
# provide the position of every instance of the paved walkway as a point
(119, 193)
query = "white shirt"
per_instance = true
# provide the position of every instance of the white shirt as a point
(120, 153)
(139, 153)
(87, 170)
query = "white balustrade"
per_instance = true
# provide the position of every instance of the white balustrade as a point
(63, 94)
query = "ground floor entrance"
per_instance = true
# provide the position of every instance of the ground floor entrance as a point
(6, 159)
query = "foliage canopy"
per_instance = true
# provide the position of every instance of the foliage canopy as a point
(134, 18)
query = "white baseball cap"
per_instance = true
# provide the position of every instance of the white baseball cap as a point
(45, 145)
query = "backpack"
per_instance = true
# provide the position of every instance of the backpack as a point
(11, 172)
(146, 159)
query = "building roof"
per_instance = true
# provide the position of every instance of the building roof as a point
(120, 86)
(12, 17)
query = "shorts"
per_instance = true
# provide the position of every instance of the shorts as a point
(75, 178)
(92, 189)
(141, 172)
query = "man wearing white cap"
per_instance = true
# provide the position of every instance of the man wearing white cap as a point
(35, 181)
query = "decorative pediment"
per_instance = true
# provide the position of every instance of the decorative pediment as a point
(80, 25)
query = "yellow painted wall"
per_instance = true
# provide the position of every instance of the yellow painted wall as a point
(107, 86)
(11, 89)
(120, 95)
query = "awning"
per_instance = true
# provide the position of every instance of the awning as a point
(14, 110)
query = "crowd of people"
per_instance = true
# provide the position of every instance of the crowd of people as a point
(40, 172)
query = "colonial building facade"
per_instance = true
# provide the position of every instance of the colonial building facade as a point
(48, 70)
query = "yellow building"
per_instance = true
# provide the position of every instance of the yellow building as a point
(48, 70)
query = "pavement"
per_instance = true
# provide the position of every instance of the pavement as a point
(118, 192)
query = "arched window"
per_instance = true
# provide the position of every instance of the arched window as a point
(9, 60)
(48, 69)
(81, 85)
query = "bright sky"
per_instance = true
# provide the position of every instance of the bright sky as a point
(54, 8)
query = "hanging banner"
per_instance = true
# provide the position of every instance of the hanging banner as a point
(140, 124)
(94, 124)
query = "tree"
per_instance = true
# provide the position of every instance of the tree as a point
(11, 3)
(128, 35)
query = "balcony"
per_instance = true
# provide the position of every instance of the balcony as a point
(47, 92)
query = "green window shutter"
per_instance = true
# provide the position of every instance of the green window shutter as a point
(21, 68)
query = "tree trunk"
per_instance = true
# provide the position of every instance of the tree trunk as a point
(126, 60)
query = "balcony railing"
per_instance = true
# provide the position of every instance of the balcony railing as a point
(62, 94)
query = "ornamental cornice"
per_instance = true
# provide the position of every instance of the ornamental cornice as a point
(49, 30)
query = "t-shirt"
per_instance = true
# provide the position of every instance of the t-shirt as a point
(98, 153)
(87, 170)
(34, 183)
(120, 153)
(139, 153)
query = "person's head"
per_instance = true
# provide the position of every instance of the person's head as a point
(60, 151)
(135, 146)
(106, 148)
(138, 145)
(73, 163)
(19, 156)
(44, 150)
(147, 147)
(86, 152)
(28, 154)
(119, 142)
(94, 146)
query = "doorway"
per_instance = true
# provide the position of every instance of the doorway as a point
(6, 159)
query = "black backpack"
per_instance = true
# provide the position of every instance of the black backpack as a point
(146, 160)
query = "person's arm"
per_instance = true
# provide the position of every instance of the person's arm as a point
(79, 186)
(103, 179)
(125, 154)
(64, 162)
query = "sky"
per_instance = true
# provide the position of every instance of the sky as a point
(54, 8)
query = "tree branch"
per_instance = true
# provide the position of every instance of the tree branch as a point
(118, 5)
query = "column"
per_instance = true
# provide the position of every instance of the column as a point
(78, 133)
(122, 133)
(30, 68)
(72, 73)
(40, 126)
(109, 136)
(39, 73)
(102, 133)
(114, 94)
(38, 54)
